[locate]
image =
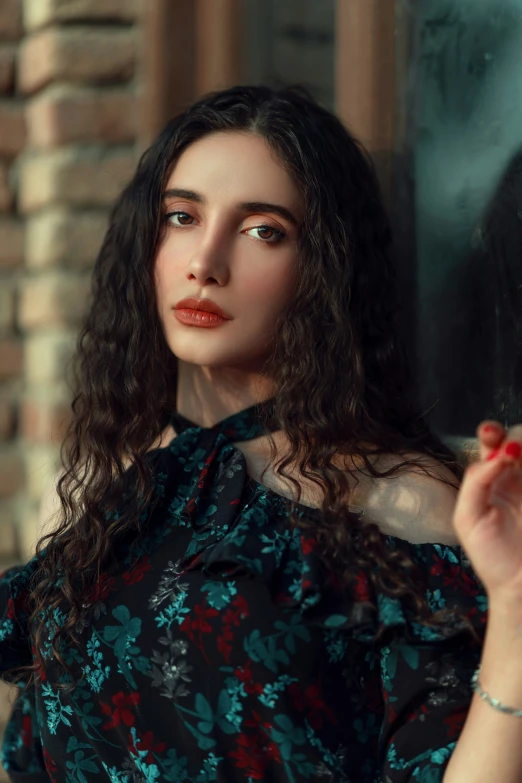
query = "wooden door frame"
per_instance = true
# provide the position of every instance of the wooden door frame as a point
(365, 61)
(189, 47)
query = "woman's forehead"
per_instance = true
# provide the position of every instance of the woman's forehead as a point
(241, 166)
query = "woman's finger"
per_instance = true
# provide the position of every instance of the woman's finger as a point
(514, 433)
(473, 499)
(490, 434)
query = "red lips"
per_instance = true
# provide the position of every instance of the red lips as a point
(200, 312)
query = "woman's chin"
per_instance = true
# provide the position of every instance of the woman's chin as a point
(208, 358)
(221, 359)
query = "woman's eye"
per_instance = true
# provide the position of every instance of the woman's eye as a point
(178, 218)
(268, 234)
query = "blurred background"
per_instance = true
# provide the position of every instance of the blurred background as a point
(433, 88)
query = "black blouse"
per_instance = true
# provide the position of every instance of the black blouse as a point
(217, 650)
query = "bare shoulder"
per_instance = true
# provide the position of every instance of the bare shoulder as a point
(411, 504)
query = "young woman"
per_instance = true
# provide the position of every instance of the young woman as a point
(258, 573)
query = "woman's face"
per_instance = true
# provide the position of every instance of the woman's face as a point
(231, 223)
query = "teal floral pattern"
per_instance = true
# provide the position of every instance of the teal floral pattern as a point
(216, 648)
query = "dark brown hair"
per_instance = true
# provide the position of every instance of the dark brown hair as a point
(342, 383)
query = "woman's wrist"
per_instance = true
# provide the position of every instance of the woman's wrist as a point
(501, 661)
(498, 705)
(505, 617)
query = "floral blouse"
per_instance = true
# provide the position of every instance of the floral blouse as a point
(216, 649)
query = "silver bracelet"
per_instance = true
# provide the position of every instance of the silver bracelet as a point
(475, 684)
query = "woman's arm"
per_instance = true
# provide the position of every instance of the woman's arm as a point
(488, 521)
(490, 746)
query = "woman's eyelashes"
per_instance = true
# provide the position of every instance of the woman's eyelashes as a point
(276, 234)
(170, 215)
(180, 219)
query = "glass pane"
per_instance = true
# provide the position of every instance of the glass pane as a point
(290, 41)
(460, 204)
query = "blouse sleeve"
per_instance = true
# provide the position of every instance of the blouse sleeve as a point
(22, 753)
(425, 673)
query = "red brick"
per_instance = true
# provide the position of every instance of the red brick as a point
(62, 114)
(7, 67)
(6, 195)
(11, 473)
(11, 242)
(12, 128)
(11, 358)
(10, 19)
(44, 421)
(90, 176)
(7, 420)
(42, 12)
(76, 54)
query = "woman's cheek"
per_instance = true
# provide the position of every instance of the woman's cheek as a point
(276, 284)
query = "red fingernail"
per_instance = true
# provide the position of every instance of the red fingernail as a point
(490, 428)
(494, 454)
(513, 449)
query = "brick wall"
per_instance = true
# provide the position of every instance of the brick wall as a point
(12, 140)
(69, 71)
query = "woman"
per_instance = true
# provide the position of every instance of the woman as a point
(256, 575)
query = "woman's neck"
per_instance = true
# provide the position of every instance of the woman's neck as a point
(206, 395)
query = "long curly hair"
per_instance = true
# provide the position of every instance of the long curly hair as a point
(341, 379)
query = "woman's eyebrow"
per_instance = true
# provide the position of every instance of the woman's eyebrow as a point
(246, 206)
(263, 206)
(189, 195)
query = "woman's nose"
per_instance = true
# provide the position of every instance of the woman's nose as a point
(209, 262)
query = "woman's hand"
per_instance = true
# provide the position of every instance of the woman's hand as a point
(488, 513)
